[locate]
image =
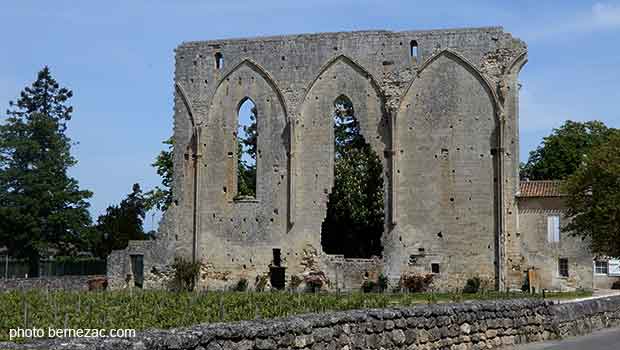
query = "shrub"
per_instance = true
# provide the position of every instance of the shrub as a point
(525, 287)
(315, 281)
(382, 283)
(241, 286)
(472, 286)
(378, 286)
(98, 283)
(185, 274)
(416, 282)
(615, 285)
(295, 282)
(369, 286)
(261, 282)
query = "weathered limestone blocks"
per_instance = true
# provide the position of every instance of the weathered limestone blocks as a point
(475, 325)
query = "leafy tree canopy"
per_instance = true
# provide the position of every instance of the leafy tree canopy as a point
(594, 198)
(246, 170)
(354, 221)
(41, 207)
(122, 223)
(161, 198)
(562, 152)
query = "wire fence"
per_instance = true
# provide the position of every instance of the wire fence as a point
(19, 268)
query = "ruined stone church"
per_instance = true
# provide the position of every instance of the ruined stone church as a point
(439, 107)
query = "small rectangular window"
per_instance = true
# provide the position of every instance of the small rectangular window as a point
(601, 267)
(563, 267)
(413, 49)
(435, 268)
(553, 228)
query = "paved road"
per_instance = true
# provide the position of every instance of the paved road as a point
(608, 339)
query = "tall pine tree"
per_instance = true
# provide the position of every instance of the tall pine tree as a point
(41, 207)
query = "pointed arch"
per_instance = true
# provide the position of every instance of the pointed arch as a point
(353, 64)
(262, 72)
(179, 89)
(516, 64)
(465, 63)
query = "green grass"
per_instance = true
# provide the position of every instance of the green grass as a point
(160, 309)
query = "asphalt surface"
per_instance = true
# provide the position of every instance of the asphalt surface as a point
(608, 339)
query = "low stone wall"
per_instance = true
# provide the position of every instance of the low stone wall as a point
(476, 325)
(572, 319)
(73, 283)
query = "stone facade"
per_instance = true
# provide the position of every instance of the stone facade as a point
(439, 107)
(156, 257)
(542, 256)
(475, 325)
(539, 254)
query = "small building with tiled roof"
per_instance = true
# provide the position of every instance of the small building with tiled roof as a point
(553, 259)
(540, 188)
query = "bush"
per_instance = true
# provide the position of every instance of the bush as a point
(416, 282)
(241, 286)
(185, 274)
(295, 282)
(378, 286)
(369, 286)
(472, 286)
(615, 285)
(315, 281)
(382, 283)
(261, 282)
(525, 287)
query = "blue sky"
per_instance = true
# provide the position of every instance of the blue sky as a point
(117, 56)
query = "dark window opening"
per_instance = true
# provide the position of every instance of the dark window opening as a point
(413, 49)
(137, 269)
(219, 60)
(435, 268)
(413, 259)
(247, 141)
(563, 267)
(277, 273)
(277, 257)
(355, 210)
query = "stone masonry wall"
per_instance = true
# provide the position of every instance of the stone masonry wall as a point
(541, 255)
(475, 325)
(71, 283)
(442, 118)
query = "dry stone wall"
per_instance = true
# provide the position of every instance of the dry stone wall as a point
(475, 325)
(70, 283)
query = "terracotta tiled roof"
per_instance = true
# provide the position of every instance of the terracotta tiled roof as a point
(540, 188)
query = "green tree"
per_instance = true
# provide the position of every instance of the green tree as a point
(594, 198)
(161, 198)
(562, 152)
(41, 207)
(246, 169)
(355, 213)
(122, 223)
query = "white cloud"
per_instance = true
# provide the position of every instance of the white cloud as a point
(600, 17)
(605, 15)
